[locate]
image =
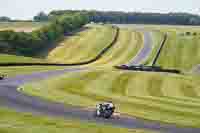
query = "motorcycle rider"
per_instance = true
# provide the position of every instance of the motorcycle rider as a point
(105, 109)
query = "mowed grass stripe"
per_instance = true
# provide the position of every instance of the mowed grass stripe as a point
(101, 42)
(180, 52)
(6, 58)
(171, 89)
(89, 43)
(63, 50)
(131, 95)
(189, 91)
(179, 89)
(118, 48)
(157, 38)
(72, 53)
(123, 44)
(99, 86)
(126, 47)
(137, 85)
(119, 84)
(83, 46)
(134, 45)
(17, 122)
(74, 87)
(155, 85)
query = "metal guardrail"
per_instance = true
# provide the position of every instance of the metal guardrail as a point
(159, 50)
(148, 69)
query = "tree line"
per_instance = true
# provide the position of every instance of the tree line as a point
(136, 17)
(40, 17)
(30, 43)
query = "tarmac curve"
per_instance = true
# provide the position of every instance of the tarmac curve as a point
(145, 52)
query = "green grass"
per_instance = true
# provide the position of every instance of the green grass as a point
(84, 45)
(157, 39)
(21, 26)
(89, 43)
(13, 122)
(14, 71)
(126, 47)
(153, 96)
(180, 52)
(5, 58)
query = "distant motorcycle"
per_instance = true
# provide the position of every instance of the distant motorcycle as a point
(2, 77)
(105, 110)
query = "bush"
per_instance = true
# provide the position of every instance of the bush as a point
(188, 33)
(30, 43)
(194, 34)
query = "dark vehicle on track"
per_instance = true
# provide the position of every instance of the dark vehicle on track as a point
(2, 76)
(105, 110)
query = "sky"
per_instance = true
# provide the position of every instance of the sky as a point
(26, 9)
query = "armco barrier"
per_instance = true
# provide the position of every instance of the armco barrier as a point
(71, 64)
(148, 69)
(159, 50)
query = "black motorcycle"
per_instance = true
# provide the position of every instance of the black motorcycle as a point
(104, 110)
(2, 77)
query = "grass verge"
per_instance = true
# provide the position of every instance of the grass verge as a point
(14, 71)
(154, 96)
(13, 122)
(180, 52)
(5, 58)
(157, 39)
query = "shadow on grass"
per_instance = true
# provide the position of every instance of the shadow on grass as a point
(45, 51)
(6, 48)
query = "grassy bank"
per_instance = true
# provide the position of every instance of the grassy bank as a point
(84, 45)
(157, 38)
(154, 96)
(126, 47)
(12, 122)
(21, 26)
(13, 71)
(180, 52)
(6, 58)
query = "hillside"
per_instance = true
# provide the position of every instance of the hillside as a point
(127, 46)
(14, 122)
(145, 95)
(84, 45)
(181, 51)
(21, 26)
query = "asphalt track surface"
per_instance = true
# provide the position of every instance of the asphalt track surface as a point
(145, 52)
(11, 98)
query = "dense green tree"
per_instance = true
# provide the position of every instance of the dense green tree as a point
(41, 16)
(30, 43)
(5, 19)
(135, 17)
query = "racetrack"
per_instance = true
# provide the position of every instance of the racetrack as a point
(145, 52)
(10, 97)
